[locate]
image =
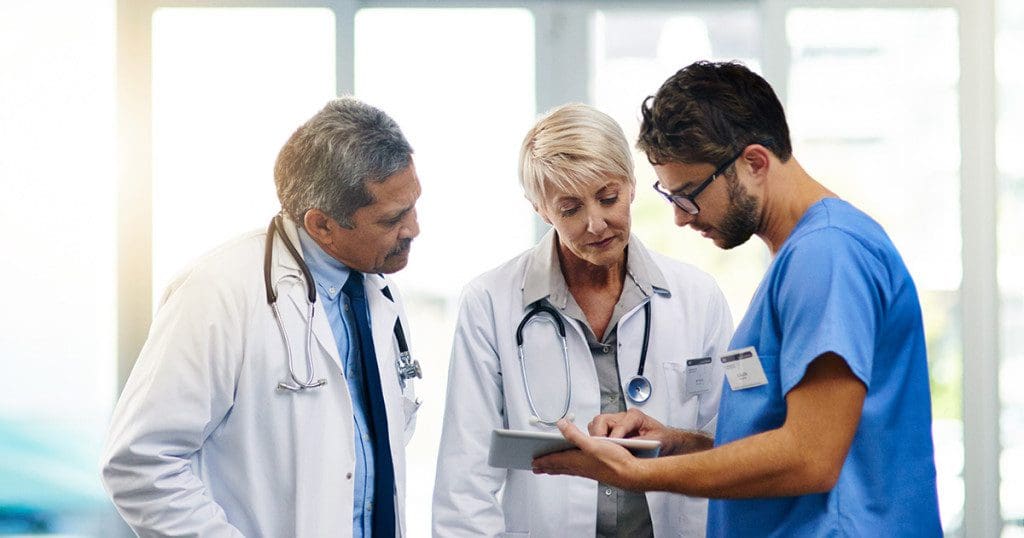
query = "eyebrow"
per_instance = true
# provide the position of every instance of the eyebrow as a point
(685, 188)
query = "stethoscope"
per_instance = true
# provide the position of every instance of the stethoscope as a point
(638, 389)
(407, 367)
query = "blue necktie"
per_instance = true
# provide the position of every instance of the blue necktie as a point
(383, 469)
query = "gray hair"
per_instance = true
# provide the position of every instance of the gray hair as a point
(327, 162)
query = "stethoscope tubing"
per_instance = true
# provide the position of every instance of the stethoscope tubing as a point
(560, 326)
(310, 381)
(638, 388)
(406, 365)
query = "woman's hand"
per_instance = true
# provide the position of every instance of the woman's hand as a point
(634, 423)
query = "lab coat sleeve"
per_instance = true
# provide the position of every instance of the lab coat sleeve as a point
(180, 389)
(717, 337)
(466, 487)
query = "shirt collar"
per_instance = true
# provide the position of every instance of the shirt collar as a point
(544, 277)
(329, 273)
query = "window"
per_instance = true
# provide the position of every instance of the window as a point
(1009, 140)
(57, 210)
(465, 118)
(634, 52)
(229, 87)
(892, 149)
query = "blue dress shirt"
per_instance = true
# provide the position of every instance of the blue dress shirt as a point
(330, 275)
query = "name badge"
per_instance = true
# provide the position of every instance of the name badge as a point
(698, 376)
(743, 369)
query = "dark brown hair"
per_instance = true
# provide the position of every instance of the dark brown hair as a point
(708, 111)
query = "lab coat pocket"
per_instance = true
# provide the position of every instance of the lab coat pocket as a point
(683, 405)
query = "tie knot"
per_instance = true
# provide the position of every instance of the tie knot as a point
(354, 285)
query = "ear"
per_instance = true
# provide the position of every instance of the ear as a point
(319, 226)
(757, 160)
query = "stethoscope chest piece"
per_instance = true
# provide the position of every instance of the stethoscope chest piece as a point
(638, 390)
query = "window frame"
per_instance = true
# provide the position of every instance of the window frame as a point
(562, 31)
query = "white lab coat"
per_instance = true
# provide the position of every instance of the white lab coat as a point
(485, 391)
(202, 443)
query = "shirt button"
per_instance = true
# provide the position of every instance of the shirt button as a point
(366, 437)
(345, 307)
(606, 349)
(332, 290)
(608, 492)
(348, 476)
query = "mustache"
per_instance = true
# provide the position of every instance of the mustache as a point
(402, 247)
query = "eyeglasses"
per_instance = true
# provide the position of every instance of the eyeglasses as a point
(688, 202)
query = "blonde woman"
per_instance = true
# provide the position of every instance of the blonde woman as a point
(628, 315)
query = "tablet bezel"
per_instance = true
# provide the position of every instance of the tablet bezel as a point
(516, 449)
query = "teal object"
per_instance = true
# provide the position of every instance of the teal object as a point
(50, 466)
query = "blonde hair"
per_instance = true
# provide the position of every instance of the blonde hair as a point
(570, 147)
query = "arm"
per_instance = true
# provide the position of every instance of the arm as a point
(804, 455)
(829, 306)
(180, 389)
(466, 488)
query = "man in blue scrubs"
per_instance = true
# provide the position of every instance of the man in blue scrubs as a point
(825, 419)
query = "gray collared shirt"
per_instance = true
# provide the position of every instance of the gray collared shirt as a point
(619, 512)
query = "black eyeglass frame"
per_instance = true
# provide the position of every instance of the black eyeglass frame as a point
(682, 200)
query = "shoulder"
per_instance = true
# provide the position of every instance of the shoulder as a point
(229, 268)
(686, 281)
(507, 276)
(838, 226)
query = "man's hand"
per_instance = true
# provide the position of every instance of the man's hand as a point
(599, 460)
(634, 423)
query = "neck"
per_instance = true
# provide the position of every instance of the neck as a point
(581, 274)
(786, 198)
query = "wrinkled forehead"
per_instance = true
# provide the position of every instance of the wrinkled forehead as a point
(581, 186)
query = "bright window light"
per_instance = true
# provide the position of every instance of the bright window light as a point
(464, 97)
(229, 87)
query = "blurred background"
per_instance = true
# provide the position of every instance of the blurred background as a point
(137, 134)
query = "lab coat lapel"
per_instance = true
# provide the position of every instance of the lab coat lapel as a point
(285, 266)
(383, 313)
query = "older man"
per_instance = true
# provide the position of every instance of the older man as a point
(825, 420)
(269, 399)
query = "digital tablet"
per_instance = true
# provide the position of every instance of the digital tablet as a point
(516, 449)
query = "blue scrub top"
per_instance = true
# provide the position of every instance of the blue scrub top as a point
(838, 284)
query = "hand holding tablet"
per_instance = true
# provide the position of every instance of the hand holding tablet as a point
(516, 449)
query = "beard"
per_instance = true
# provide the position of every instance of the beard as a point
(740, 221)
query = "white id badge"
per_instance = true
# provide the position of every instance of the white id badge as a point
(698, 376)
(743, 368)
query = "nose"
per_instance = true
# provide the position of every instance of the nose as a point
(411, 229)
(682, 217)
(596, 224)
